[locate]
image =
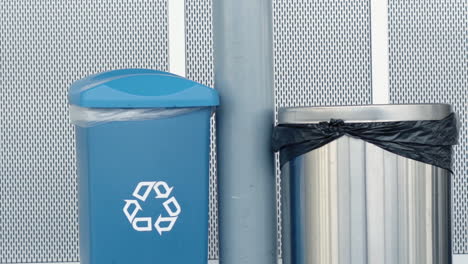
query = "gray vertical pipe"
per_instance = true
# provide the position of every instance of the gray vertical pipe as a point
(244, 77)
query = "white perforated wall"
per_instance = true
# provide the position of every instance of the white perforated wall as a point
(322, 56)
(46, 45)
(428, 64)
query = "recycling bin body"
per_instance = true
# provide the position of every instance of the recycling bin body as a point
(143, 190)
(352, 202)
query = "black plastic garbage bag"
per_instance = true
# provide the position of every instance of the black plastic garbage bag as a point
(426, 141)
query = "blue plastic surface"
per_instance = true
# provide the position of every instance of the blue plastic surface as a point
(140, 88)
(113, 159)
(143, 184)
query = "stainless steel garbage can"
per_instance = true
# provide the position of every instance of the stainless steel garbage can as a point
(351, 202)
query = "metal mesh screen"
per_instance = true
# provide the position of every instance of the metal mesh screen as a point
(45, 45)
(199, 63)
(428, 65)
(322, 56)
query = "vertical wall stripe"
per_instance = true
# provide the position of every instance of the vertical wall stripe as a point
(176, 28)
(379, 44)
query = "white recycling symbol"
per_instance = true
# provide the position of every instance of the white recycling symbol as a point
(145, 224)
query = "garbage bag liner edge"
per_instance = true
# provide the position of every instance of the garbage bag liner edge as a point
(428, 141)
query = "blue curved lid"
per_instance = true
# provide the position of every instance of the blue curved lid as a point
(140, 88)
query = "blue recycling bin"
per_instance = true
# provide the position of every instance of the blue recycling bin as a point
(142, 140)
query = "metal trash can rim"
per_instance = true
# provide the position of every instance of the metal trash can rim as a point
(363, 113)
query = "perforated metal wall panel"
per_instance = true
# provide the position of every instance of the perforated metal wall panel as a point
(322, 55)
(45, 45)
(322, 52)
(428, 64)
(199, 63)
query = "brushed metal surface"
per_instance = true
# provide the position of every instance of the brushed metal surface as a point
(364, 113)
(350, 202)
